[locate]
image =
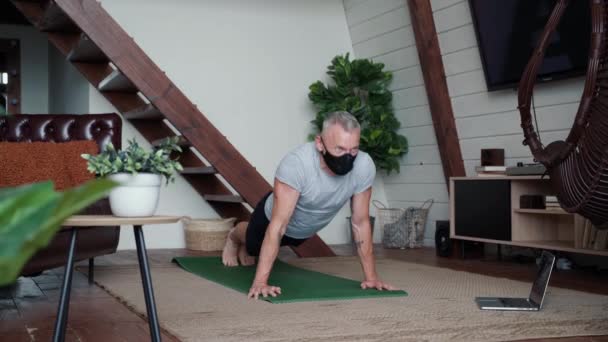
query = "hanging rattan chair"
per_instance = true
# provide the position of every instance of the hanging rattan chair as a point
(578, 166)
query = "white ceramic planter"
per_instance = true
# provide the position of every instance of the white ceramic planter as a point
(136, 196)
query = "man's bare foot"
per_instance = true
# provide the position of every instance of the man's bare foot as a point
(231, 248)
(244, 258)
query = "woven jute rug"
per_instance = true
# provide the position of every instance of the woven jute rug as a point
(440, 307)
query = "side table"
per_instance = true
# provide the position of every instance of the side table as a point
(76, 222)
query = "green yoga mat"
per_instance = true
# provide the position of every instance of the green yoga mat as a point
(297, 285)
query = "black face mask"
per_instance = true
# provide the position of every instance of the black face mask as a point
(338, 165)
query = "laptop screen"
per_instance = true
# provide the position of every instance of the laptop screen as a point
(542, 278)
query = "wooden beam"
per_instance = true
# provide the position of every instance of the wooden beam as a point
(55, 20)
(117, 81)
(199, 170)
(436, 86)
(86, 51)
(137, 66)
(312, 248)
(146, 112)
(223, 198)
(163, 95)
(181, 142)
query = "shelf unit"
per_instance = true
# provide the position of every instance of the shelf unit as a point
(486, 209)
(542, 211)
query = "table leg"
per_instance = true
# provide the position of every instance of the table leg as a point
(147, 283)
(64, 300)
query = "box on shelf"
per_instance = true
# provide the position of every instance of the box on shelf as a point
(489, 171)
(532, 201)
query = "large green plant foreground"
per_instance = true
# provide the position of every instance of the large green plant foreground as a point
(30, 215)
(361, 88)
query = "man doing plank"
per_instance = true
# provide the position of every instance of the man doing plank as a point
(312, 183)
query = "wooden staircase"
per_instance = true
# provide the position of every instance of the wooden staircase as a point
(112, 62)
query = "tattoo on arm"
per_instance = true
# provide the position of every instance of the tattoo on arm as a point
(355, 229)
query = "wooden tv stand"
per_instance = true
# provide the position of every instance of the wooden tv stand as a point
(486, 209)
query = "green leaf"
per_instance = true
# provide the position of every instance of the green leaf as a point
(394, 151)
(375, 134)
(361, 87)
(15, 203)
(32, 214)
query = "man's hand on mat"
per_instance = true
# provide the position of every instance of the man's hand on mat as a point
(377, 284)
(263, 289)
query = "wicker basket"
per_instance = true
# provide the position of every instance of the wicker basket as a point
(402, 228)
(207, 234)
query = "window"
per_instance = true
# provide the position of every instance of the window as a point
(4, 78)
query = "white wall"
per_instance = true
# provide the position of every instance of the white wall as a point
(34, 67)
(247, 65)
(381, 30)
(68, 89)
(491, 119)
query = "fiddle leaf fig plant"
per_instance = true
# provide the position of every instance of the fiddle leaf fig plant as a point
(135, 159)
(360, 87)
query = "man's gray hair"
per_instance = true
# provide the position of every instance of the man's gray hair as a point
(345, 119)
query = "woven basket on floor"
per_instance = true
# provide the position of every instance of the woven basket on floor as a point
(207, 234)
(401, 227)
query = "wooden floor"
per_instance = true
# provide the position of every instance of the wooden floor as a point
(27, 310)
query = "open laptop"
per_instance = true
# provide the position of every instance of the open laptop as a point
(534, 302)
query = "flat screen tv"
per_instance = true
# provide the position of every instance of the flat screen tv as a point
(508, 31)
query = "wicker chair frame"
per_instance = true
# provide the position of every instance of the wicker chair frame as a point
(578, 166)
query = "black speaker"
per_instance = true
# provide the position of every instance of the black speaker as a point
(443, 243)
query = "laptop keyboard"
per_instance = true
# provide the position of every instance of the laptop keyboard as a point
(515, 302)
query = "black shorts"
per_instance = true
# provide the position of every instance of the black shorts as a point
(256, 230)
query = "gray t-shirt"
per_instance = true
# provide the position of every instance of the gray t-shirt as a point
(321, 195)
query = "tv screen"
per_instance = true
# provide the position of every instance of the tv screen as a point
(509, 30)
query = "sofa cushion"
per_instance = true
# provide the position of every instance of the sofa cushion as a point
(30, 162)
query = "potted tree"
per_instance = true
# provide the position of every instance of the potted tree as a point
(139, 173)
(360, 87)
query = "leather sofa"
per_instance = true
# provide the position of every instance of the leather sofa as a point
(102, 128)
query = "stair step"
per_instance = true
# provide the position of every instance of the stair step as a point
(55, 20)
(86, 51)
(177, 108)
(146, 112)
(182, 142)
(116, 81)
(223, 198)
(199, 170)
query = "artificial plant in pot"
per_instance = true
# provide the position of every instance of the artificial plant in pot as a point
(139, 173)
(361, 87)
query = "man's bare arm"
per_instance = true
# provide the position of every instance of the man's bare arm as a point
(362, 232)
(285, 199)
